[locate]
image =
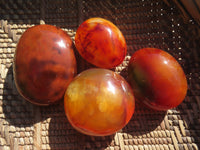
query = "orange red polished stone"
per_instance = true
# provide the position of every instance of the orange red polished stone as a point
(101, 43)
(157, 79)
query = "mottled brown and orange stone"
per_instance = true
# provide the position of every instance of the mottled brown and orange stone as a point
(44, 64)
(101, 43)
(99, 102)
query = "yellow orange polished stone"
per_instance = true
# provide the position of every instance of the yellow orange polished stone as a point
(99, 102)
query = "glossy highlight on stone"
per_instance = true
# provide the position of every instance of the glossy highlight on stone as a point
(101, 43)
(157, 79)
(99, 102)
(44, 64)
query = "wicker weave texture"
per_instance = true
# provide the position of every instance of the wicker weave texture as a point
(144, 23)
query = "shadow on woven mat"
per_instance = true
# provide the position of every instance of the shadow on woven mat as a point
(188, 113)
(18, 112)
(144, 120)
(82, 64)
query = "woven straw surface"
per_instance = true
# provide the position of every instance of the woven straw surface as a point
(144, 23)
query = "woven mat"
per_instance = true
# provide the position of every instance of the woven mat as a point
(144, 23)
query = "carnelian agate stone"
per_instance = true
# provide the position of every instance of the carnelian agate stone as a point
(157, 79)
(101, 43)
(99, 102)
(44, 64)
